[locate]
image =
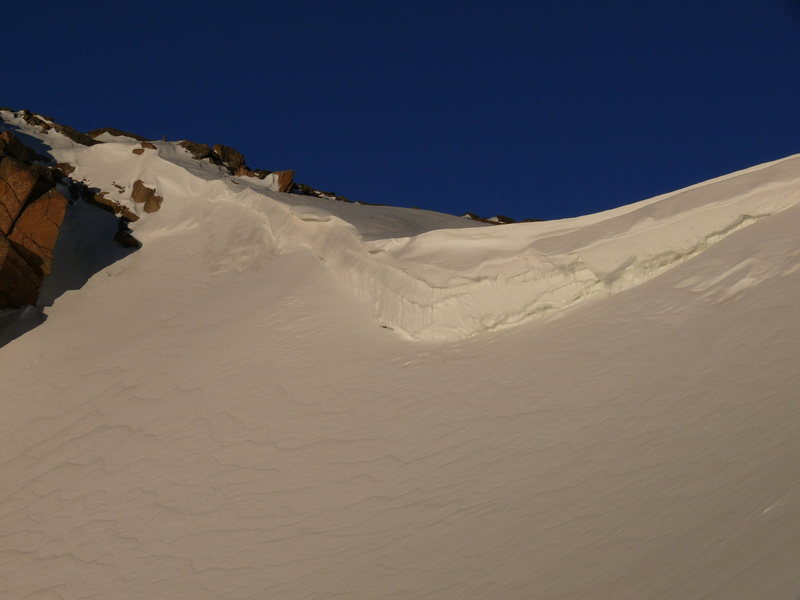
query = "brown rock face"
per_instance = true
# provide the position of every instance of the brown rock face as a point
(198, 151)
(31, 213)
(36, 231)
(71, 133)
(18, 181)
(100, 199)
(34, 121)
(138, 151)
(19, 282)
(153, 203)
(75, 135)
(235, 162)
(285, 180)
(231, 158)
(5, 246)
(13, 147)
(141, 194)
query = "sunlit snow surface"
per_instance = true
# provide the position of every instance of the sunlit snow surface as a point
(218, 415)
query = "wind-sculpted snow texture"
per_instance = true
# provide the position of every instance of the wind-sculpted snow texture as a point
(217, 415)
(447, 283)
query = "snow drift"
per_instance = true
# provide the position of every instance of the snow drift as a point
(438, 285)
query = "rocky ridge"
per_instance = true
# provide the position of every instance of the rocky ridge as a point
(234, 161)
(36, 193)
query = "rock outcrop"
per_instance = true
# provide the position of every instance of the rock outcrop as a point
(19, 284)
(65, 168)
(497, 219)
(144, 146)
(17, 181)
(46, 123)
(124, 237)
(94, 133)
(32, 209)
(501, 220)
(101, 200)
(307, 190)
(285, 180)
(231, 158)
(222, 155)
(199, 151)
(234, 161)
(9, 144)
(36, 231)
(31, 213)
(141, 194)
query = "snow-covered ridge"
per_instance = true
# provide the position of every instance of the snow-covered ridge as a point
(427, 282)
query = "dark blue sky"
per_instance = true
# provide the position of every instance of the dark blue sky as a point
(529, 109)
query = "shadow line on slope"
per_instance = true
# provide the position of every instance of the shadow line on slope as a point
(85, 246)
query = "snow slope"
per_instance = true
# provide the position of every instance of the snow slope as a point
(423, 279)
(217, 415)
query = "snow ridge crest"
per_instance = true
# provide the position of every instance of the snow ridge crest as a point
(427, 276)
